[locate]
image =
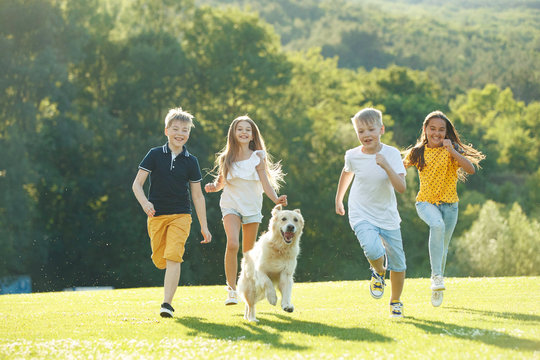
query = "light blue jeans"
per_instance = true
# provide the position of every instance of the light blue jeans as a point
(442, 221)
(377, 242)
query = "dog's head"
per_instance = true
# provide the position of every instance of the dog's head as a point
(289, 223)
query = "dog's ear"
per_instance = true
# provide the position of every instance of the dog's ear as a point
(297, 210)
(276, 208)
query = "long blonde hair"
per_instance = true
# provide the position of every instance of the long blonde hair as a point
(229, 154)
(414, 156)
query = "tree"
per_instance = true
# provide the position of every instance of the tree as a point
(359, 48)
(37, 46)
(407, 96)
(500, 243)
(505, 129)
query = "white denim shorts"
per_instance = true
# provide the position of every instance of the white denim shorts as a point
(257, 218)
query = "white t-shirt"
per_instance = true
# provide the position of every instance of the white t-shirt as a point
(243, 190)
(372, 197)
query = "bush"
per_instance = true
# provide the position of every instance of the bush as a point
(500, 243)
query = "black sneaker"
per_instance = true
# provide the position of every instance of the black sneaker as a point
(166, 310)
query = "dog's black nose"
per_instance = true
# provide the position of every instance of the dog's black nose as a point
(290, 228)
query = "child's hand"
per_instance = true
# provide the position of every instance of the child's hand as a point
(210, 187)
(282, 200)
(148, 208)
(340, 210)
(447, 143)
(381, 160)
(206, 235)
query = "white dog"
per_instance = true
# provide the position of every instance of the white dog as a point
(272, 262)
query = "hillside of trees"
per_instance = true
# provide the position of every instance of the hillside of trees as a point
(86, 84)
(461, 44)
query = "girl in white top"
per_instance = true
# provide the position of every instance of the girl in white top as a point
(244, 171)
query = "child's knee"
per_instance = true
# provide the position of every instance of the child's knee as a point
(437, 225)
(373, 251)
(233, 246)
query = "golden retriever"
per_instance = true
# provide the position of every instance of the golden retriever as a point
(272, 262)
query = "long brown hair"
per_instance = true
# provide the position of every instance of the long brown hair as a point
(229, 154)
(414, 156)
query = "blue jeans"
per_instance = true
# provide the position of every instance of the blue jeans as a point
(377, 242)
(442, 221)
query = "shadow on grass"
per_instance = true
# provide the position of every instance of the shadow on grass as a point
(489, 337)
(504, 315)
(256, 332)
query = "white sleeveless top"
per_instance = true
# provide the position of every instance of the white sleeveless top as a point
(243, 189)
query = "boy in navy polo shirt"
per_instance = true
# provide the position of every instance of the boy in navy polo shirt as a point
(168, 207)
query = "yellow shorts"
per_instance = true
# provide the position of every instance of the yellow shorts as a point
(168, 235)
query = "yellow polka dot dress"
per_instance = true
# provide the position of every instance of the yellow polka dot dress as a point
(438, 178)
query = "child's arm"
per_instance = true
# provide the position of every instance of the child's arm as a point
(397, 180)
(137, 187)
(217, 185)
(406, 160)
(268, 189)
(200, 208)
(343, 184)
(462, 160)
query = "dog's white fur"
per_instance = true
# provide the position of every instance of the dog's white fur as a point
(272, 262)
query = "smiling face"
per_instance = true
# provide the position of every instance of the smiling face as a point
(435, 131)
(243, 132)
(178, 134)
(369, 134)
(289, 223)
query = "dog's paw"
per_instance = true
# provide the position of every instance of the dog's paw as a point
(272, 298)
(288, 308)
(251, 318)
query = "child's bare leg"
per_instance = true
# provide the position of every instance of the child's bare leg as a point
(397, 279)
(170, 283)
(249, 236)
(231, 224)
(378, 265)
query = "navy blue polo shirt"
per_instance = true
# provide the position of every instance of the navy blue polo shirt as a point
(170, 178)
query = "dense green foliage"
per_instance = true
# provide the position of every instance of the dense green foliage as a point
(461, 44)
(86, 84)
(508, 240)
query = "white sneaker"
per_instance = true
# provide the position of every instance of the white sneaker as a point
(436, 297)
(166, 310)
(396, 309)
(376, 285)
(437, 283)
(232, 297)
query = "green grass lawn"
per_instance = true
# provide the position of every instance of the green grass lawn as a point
(489, 318)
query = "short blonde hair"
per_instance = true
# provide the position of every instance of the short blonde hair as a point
(178, 114)
(367, 116)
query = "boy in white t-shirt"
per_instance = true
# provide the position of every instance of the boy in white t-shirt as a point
(377, 170)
